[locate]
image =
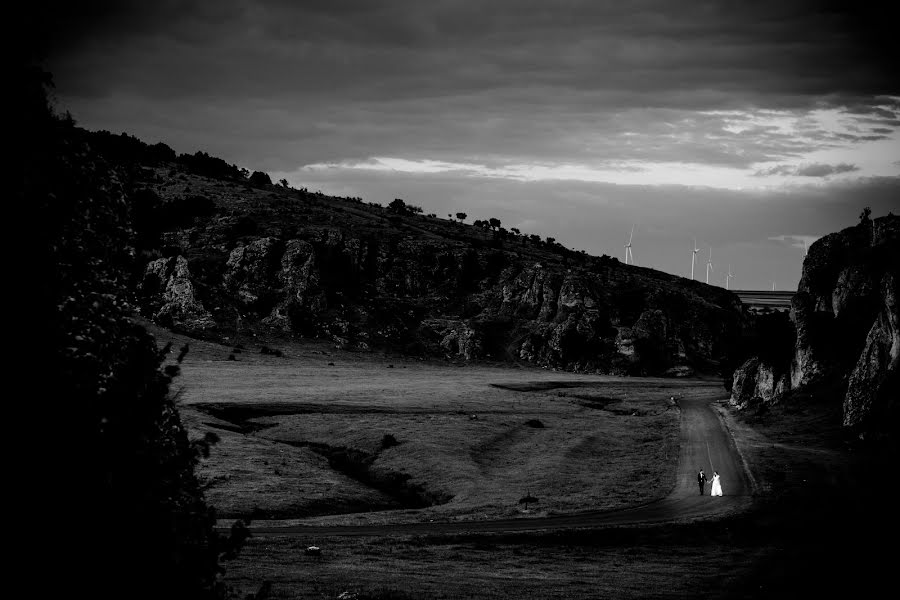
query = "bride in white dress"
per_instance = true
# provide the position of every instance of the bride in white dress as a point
(716, 485)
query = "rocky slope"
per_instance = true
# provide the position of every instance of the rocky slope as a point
(222, 252)
(846, 323)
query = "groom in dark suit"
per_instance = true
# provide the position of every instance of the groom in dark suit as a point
(701, 480)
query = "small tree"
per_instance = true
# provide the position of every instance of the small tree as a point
(866, 215)
(527, 499)
(494, 223)
(515, 230)
(461, 216)
(284, 183)
(397, 206)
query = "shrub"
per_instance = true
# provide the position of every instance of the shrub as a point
(111, 427)
(260, 179)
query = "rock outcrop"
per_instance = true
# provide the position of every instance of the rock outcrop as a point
(872, 392)
(170, 295)
(845, 318)
(442, 298)
(758, 382)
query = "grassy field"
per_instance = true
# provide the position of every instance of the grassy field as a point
(370, 439)
(292, 427)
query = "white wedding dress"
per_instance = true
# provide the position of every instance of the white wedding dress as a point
(716, 487)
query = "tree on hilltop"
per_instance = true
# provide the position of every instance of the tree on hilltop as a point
(260, 178)
(461, 216)
(398, 206)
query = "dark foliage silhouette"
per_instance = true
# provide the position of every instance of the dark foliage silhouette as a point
(259, 179)
(114, 444)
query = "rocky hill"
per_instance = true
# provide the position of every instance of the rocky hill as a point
(845, 321)
(222, 251)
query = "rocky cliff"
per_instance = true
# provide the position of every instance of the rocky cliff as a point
(846, 323)
(220, 254)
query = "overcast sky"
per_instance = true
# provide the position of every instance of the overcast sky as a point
(750, 126)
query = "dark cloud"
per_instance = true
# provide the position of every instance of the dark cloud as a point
(822, 170)
(276, 83)
(654, 52)
(808, 170)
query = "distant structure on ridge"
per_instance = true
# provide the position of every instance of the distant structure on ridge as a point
(709, 265)
(694, 258)
(628, 253)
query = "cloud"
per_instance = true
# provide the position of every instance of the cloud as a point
(820, 170)
(277, 84)
(797, 241)
(808, 170)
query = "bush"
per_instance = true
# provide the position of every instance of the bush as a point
(111, 427)
(202, 163)
(260, 179)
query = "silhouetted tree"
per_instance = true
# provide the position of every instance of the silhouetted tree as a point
(284, 183)
(494, 223)
(866, 215)
(259, 179)
(461, 216)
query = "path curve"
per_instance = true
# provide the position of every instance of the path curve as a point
(705, 443)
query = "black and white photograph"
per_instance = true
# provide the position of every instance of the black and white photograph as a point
(439, 299)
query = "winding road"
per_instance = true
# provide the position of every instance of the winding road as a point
(705, 443)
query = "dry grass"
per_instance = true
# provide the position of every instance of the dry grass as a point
(482, 437)
(484, 569)
(821, 514)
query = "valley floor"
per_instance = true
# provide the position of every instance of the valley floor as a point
(305, 439)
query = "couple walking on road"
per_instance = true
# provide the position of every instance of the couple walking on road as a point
(716, 489)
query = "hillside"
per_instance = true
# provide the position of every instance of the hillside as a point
(222, 253)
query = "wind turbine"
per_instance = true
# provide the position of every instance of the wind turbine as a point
(773, 285)
(694, 258)
(728, 277)
(709, 265)
(628, 253)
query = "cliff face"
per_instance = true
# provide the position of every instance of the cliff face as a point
(846, 323)
(273, 259)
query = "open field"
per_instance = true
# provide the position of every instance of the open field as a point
(301, 438)
(815, 529)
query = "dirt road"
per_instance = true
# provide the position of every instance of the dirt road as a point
(705, 443)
